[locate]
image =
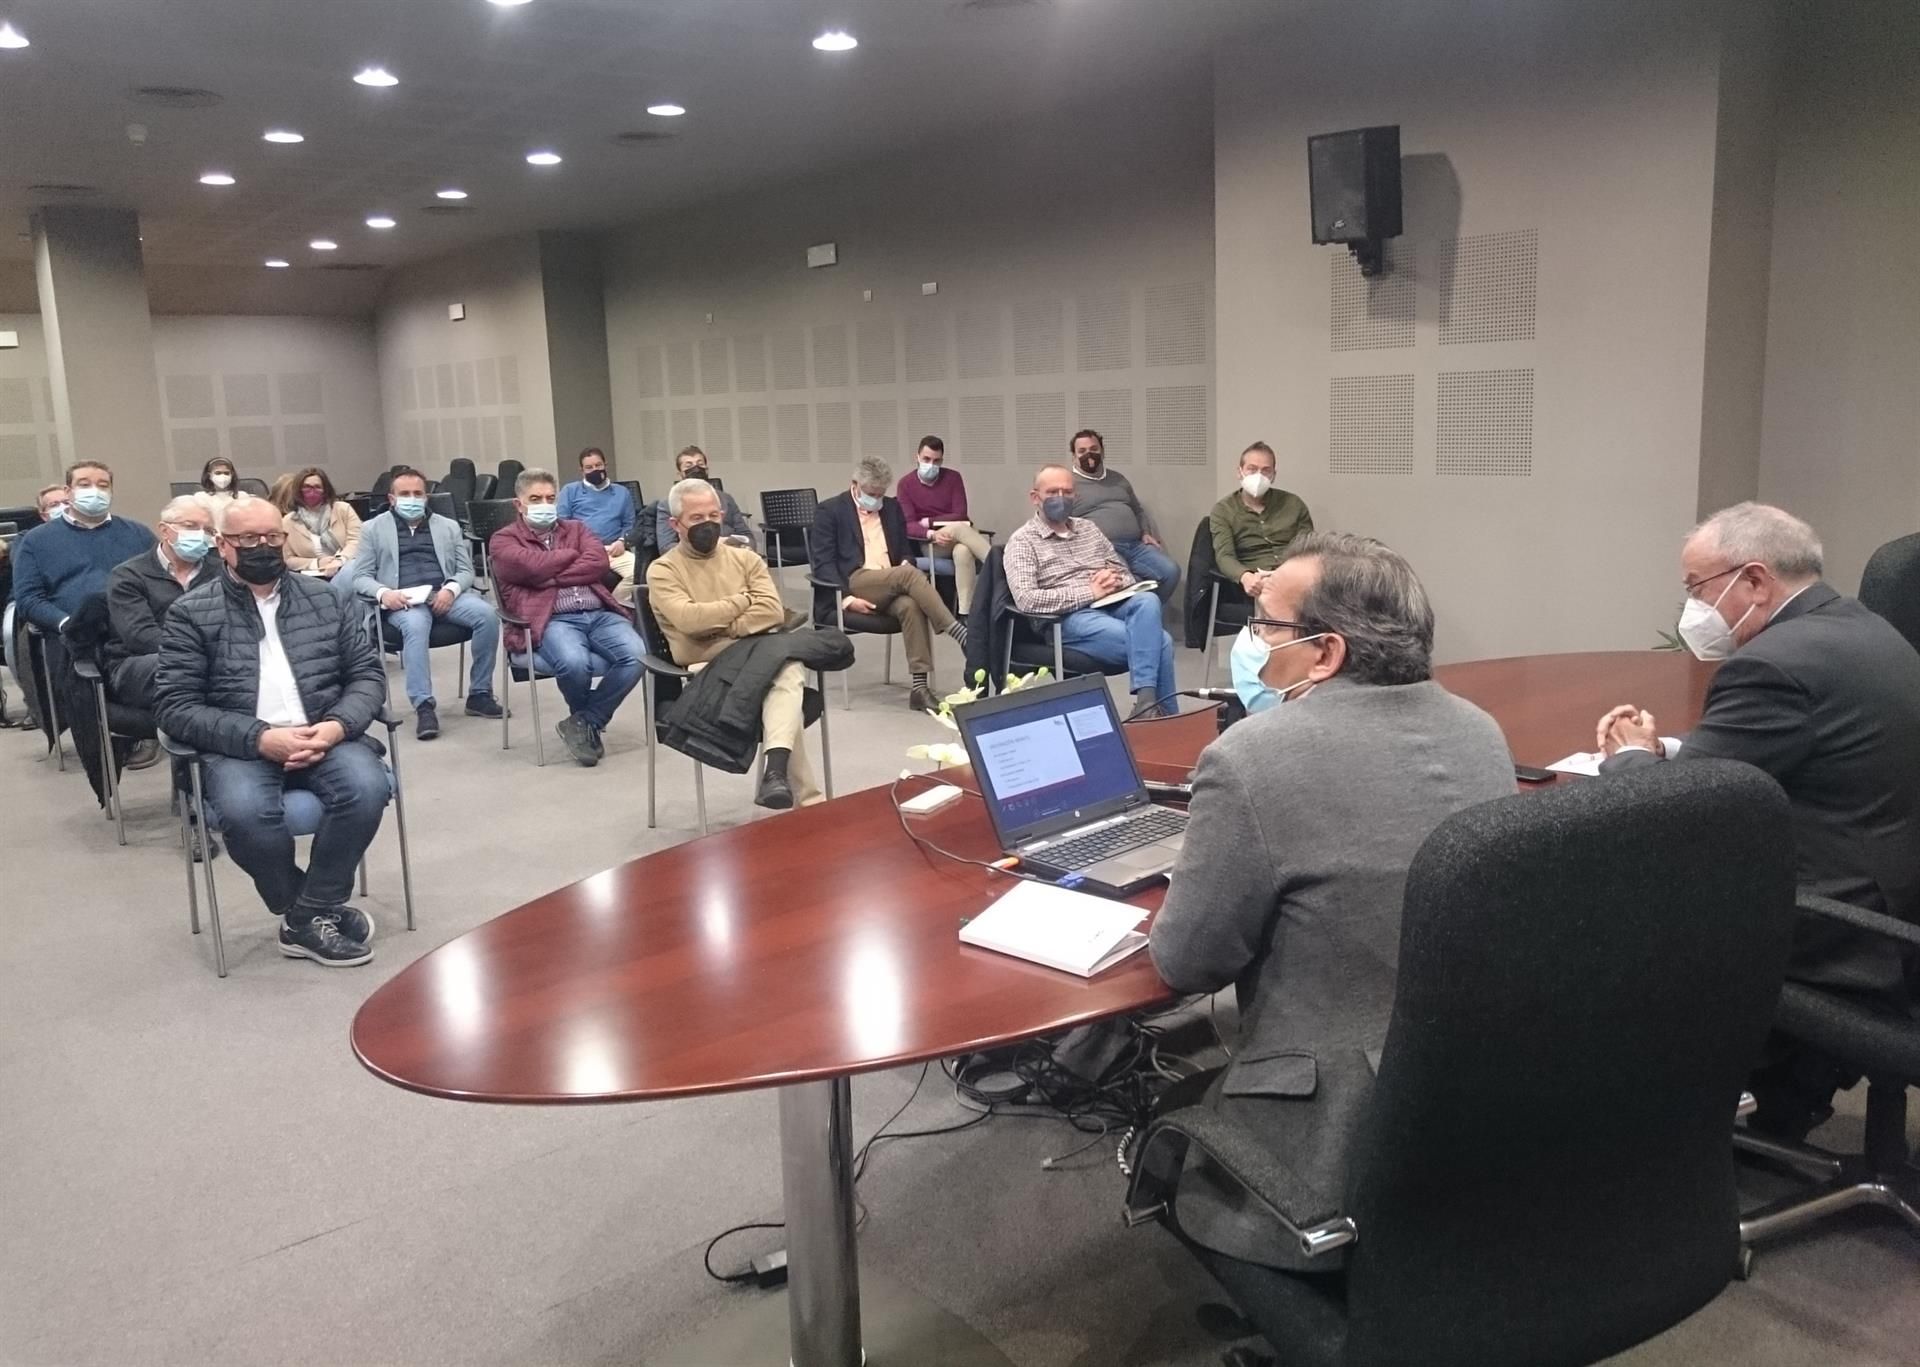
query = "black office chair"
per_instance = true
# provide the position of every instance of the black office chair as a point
(247, 484)
(827, 610)
(484, 518)
(522, 667)
(386, 639)
(920, 551)
(1541, 1175)
(632, 486)
(442, 503)
(118, 721)
(662, 683)
(382, 482)
(1029, 639)
(41, 675)
(484, 487)
(1228, 607)
(786, 525)
(1891, 585)
(508, 472)
(182, 488)
(1884, 1044)
(458, 485)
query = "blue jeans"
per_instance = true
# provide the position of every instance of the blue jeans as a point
(568, 649)
(469, 610)
(1127, 633)
(246, 795)
(1150, 562)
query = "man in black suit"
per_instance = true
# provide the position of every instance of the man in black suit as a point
(140, 590)
(1824, 696)
(859, 544)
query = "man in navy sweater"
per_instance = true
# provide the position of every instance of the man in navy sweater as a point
(63, 562)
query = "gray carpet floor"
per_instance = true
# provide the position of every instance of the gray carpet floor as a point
(198, 1172)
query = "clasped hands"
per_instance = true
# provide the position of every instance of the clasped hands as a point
(300, 747)
(1110, 579)
(1626, 726)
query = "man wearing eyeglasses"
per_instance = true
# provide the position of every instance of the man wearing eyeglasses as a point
(1825, 696)
(270, 675)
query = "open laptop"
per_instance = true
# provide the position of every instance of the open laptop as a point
(1063, 791)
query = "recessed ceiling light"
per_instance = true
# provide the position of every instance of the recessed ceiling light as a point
(216, 178)
(836, 40)
(543, 158)
(375, 75)
(382, 221)
(508, 4)
(12, 37)
(666, 111)
(274, 263)
(286, 135)
(323, 244)
(450, 194)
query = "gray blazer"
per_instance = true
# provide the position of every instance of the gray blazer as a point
(1827, 700)
(377, 564)
(1304, 820)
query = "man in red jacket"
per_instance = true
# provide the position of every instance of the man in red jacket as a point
(551, 575)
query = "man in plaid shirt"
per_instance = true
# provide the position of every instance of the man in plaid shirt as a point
(1058, 563)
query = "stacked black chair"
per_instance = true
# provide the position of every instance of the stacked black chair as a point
(484, 518)
(1541, 1176)
(484, 487)
(1228, 607)
(382, 482)
(442, 503)
(786, 523)
(181, 488)
(508, 472)
(247, 484)
(458, 485)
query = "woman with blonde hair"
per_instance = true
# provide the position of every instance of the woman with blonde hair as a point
(323, 533)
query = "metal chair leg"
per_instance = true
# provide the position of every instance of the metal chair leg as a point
(53, 711)
(400, 821)
(1213, 618)
(700, 793)
(826, 748)
(363, 875)
(506, 692)
(1059, 653)
(533, 693)
(206, 864)
(846, 689)
(886, 670)
(460, 685)
(109, 769)
(646, 716)
(186, 856)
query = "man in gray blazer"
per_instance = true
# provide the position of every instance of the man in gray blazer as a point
(1304, 820)
(415, 565)
(1824, 696)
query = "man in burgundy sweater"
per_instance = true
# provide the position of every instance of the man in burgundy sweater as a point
(932, 494)
(552, 575)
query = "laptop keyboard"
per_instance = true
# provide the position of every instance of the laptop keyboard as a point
(1089, 849)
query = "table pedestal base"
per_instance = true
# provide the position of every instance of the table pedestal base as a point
(899, 1327)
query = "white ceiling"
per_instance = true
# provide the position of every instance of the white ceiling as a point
(480, 86)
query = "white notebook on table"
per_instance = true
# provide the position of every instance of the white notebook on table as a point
(1059, 928)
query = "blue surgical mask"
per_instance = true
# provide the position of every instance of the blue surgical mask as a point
(91, 502)
(412, 509)
(869, 502)
(1248, 658)
(191, 544)
(1057, 507)
(929, 472)
(542, 514)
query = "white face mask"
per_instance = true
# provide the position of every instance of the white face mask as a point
(1705, 631)
(1255, 485)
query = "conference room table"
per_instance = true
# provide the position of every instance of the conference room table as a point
(796, 952)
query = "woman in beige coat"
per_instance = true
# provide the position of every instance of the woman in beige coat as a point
(323, 533)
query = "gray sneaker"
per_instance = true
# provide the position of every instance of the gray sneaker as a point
(579, 740)
(321, 940)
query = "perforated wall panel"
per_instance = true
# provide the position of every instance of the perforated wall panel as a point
(486, 373)
(443, 382)
(834, 436)
(981, 438)
(193, 447)
(510, 385)
(304, 395)
(716, 434)
(463, 383)
(251, 396)
(679, 369)
(650, 361)
(880, 431)
(1488, 284)
(788, 350)
(1368, 314)
(306, 443)
(1486, 423)
(926, 348)
(1039, 426)
(756, 433)
(1177, 425)
(793, 433)
(876, 347)
(20, 458)
(979, 339)
(1370, 425)
(490, 452)
(930, 416)
(1039, 337)
(1177, 323)
(653, 435)
(16, 401)
(189, 396)
(686, 428)
(429, 443)
(1103, 331)
(715, 371)
(750, 363)
(513, 437)
(1110, 413)
(252, 447)
(830, 356)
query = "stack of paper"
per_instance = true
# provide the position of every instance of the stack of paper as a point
(1057, 927)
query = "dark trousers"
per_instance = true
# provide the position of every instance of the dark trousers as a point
(247, 796)
(131, 683)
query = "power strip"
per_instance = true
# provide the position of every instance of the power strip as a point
(770, 1270)
(932, 800)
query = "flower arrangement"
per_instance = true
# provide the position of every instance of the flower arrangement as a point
(946, 754)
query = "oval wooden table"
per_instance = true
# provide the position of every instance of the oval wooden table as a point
(797, 952)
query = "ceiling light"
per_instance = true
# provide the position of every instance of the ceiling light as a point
(836, 40)
(450, 194)
(508, 4)
(286, 135)
(274, 263)
(216, 178)
(543, 158)
(666, 111)
(12, 37)
(382, 221)
(323, 244)
(375, 75)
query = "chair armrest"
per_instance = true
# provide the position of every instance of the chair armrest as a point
(1858, 917)
(1307, 1214)
(508, 618)
(387, 719)
(86, 668)
(179, 749)
(661, 665)
(828, 584)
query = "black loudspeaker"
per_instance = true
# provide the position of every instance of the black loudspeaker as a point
(1354, 181)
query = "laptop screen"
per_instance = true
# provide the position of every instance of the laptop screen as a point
(1050, 758)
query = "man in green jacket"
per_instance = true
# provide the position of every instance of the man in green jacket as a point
(1253, 526)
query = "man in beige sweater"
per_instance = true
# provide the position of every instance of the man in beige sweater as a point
(706, 594)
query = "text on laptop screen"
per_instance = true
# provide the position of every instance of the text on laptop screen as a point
(1057, 756)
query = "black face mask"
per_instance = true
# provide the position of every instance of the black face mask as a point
(703, 537)
(694, 472)
(596, 478)
(260, 565)
(1090, 462)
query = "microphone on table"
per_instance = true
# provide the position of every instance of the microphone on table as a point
(1232, 712)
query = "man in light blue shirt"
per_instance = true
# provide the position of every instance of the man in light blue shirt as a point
(607, 509)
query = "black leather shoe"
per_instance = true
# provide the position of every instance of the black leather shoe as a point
(483, 705)
(426, 723)
(922, 700)
(775, 794)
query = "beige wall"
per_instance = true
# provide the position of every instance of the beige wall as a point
(271, 394)
(480, 388)
(1841, 433)
(1589, 130)
(1074, 264)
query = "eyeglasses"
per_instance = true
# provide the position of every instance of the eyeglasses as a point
(1260, 624)
(246, 541)
(1690, 589)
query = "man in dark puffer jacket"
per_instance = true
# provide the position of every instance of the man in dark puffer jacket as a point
(271, 675)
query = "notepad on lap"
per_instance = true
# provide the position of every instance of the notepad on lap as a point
(1121, 595)
(1059, 928)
